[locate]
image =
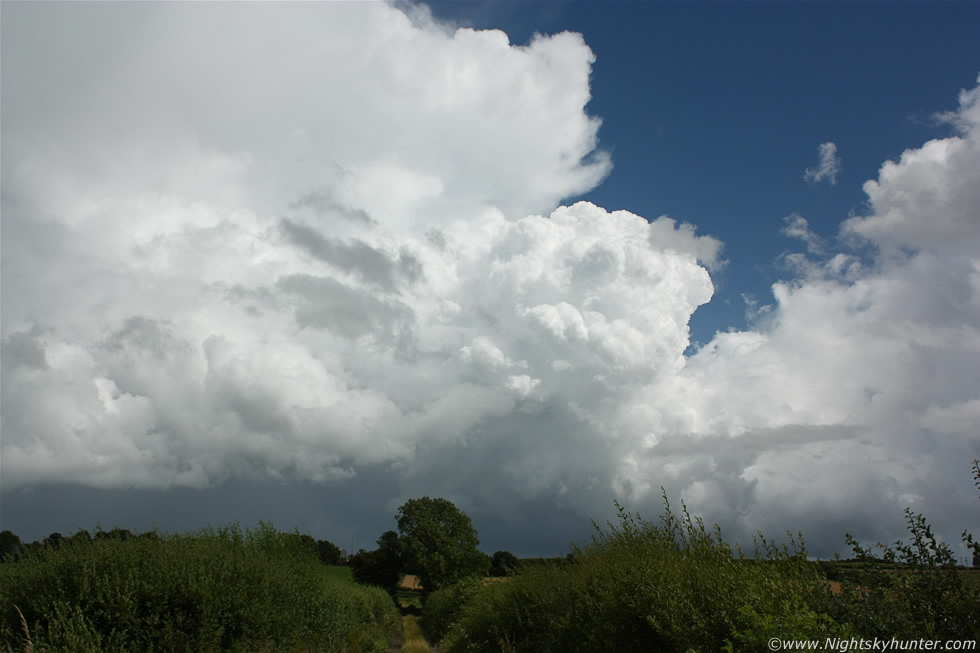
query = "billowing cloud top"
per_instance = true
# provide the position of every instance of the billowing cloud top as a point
(292, 241)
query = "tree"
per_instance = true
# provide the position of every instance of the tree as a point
(503, 563)
(53, 541)
(439, 542)
(330, 553)
(81, 537)
(382, 566)
(10, 544)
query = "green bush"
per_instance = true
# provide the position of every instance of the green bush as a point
(216, 589)
(910, 589)
(640, 586)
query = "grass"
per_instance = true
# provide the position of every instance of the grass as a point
(638, 587)
(675, 586)
(413, 641)
(339, 573)
(215, 589)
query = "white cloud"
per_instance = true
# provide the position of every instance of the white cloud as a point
(340, 250)
(828, 167)
(798, 227)
(855, 392)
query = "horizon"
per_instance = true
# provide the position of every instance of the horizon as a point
(300, 263)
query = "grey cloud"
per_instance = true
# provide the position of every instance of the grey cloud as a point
(321, 204)
(747, 446)
(370, 264)
(665, 233)
(155, 337)
(22, 349)
(798, 227)
(325, 303)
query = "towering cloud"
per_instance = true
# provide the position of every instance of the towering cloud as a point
(315, 238)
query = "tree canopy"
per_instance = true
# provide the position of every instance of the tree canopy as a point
(503, 563)
(439, 542)
(382, 566)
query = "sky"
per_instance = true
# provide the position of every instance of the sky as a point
(302, 262)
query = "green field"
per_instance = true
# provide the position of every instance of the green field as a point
(337, 572)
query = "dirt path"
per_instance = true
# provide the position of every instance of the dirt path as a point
(415, 640)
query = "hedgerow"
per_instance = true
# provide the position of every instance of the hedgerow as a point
(216, 589)
(675, 586)
(642, 586)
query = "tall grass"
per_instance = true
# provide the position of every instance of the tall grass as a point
(215, 589)
(640, 586)
(676, 586)
(413, 640)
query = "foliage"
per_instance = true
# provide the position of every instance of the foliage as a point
(338, 572)
(640, 586)
(443, 608)
(413, 641)
(912, 589)
(675, 586)
(215, 589)
(381, 567)
(503, 563)
(971, 543)
(439, 542)
(10, 544)
(329, 553)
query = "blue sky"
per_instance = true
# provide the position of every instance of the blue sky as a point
(714, 110)
(303, 262)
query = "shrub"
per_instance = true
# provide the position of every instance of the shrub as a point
(216, 589)
(641, 586)
(911, 589)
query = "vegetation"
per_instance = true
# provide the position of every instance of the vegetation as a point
(216, 589)
(381, 567)
(639, 586)
(670, 585)
(9, 544)
(439, 543)
(675, 586)
(503, 563)
(910, 589)
(413, 641)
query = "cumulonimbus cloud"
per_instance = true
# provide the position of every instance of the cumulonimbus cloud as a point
(342, 249)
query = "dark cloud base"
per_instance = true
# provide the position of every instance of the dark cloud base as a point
(360, 508)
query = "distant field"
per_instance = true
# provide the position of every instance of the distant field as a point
(409, 593)
(972, 578)
(339, 573)
(410, 582)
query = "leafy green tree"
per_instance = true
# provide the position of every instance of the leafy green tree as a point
(380, 567)
(440, 543)
(10, 544)
(503, 563)
(117, 533)
(53, 540)
(330, 553)
(82, 536)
